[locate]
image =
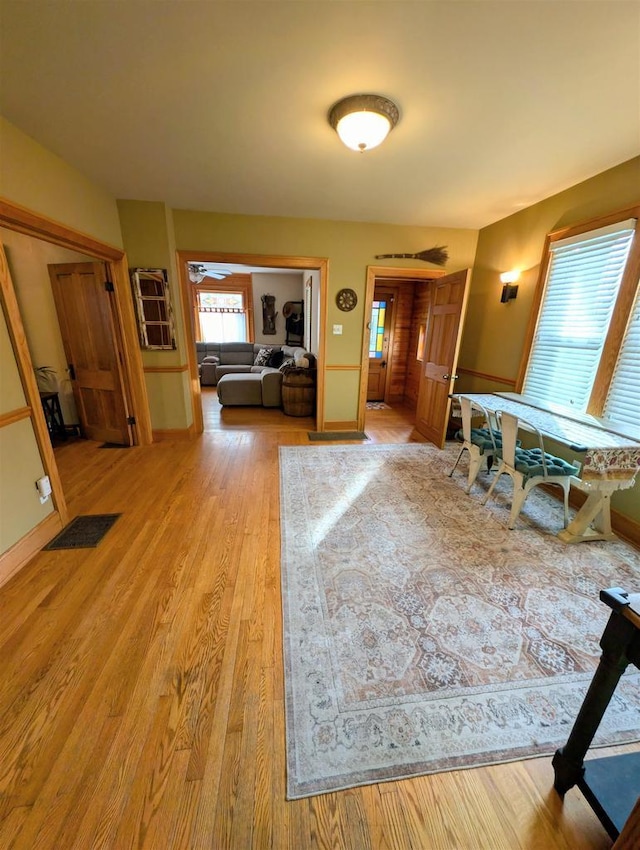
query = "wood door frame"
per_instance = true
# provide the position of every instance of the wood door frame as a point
(22, 220)
(385, 275)
(319, 264)
(394, 289)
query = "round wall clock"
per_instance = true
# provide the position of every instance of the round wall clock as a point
(346, 299)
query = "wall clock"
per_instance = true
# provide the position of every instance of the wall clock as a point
(346, 299)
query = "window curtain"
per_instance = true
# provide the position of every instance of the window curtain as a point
(222, 326)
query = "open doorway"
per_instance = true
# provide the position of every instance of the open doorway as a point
(396, 310)
(423, 336)
(308, 279)
(39, 231)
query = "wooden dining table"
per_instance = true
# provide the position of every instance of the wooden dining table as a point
(609, 460)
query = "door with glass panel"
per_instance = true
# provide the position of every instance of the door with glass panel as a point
(380, 327)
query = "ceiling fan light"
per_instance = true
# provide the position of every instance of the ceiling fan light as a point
(194, 276)
(363, 121)
(198, 272)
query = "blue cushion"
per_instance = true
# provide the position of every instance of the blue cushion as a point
(529, 463)
(481, 438)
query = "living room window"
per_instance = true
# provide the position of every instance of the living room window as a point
(223, 312)
(584, 346)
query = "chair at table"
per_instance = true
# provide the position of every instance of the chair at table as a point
(528, 467)
(481, 443)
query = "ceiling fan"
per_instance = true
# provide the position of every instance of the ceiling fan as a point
(198, 272)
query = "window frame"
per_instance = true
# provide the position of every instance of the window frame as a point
(621, 311)
(235, 283)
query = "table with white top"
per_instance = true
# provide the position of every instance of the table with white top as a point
(609, 460)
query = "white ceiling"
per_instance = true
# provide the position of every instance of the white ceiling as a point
(223, 106)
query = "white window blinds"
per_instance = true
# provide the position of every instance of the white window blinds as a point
(582, 285)
(623, 401)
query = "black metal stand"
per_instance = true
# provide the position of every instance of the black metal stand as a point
(610, 785)
(53, 415)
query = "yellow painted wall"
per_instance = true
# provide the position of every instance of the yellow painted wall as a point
(35, 178)
(147, 230)
(349, 246)
(20, 463)
(494, 333)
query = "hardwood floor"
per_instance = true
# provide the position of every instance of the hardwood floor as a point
(141, 689)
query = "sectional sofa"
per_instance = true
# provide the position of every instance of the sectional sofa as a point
(247, 373)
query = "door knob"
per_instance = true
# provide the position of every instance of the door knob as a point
(448, 377)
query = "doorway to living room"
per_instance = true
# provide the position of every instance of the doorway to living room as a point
(281, 288)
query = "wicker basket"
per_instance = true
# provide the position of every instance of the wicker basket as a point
(298, 392)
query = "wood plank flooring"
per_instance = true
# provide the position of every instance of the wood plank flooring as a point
(141, 686)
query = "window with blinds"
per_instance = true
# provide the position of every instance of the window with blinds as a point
(623, 401)
(580, 293)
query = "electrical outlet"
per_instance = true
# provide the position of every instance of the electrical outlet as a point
(337, 330)
(43, 486)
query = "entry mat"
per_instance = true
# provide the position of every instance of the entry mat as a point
(84, 532)
(316, 436)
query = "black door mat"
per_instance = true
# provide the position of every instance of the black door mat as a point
(84, 532)
(321, 436)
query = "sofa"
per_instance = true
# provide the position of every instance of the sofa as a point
(247, 373)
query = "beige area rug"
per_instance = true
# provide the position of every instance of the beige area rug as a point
(420, 634)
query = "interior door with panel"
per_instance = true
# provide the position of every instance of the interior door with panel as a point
(380, 334)
(443, 332)
(82, 297)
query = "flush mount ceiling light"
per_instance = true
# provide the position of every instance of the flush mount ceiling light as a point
(363, 121)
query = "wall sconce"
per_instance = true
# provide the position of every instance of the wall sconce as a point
(363, 121)
(509, 291)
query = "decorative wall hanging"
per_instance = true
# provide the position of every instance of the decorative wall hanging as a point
(346, 299)
(153, 308)
(437, 256)
(293, 312)
(269, 314)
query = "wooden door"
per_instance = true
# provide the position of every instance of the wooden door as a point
(85, 312)
(448, 303)
(380, 334)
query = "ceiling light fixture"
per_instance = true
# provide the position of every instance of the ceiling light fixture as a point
(363, 121)
(198, 272)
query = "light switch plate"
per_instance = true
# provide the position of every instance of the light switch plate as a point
(337, 330)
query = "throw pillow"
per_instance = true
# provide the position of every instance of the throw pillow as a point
(286, 363)
(262, 357)
(276, 359)
(301, 360)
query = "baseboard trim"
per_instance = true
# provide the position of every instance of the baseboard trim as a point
(174, 434)
(23, 551)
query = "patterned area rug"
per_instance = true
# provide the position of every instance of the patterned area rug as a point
(377, 405)
(420, 634)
